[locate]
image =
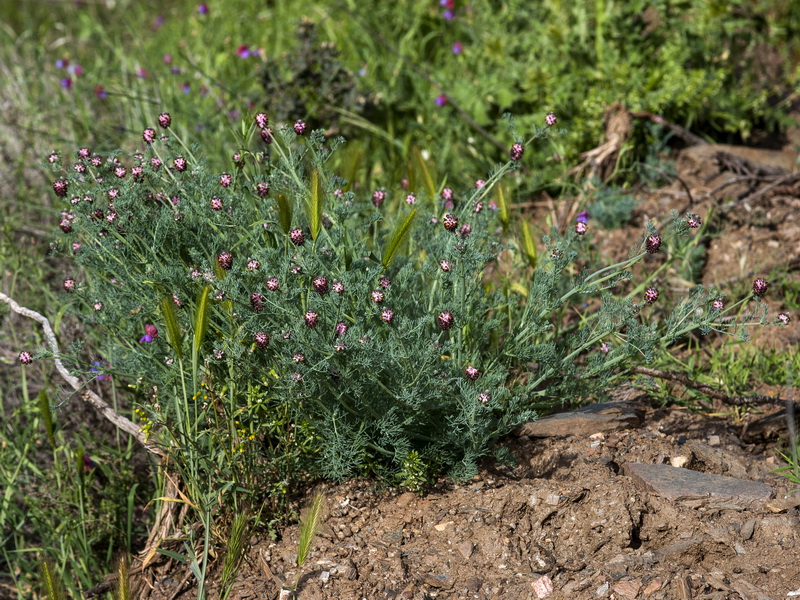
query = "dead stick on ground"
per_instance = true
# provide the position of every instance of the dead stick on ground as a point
(708, 390)
(86, 394)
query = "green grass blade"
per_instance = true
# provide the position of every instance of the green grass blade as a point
(233, 551)
(430, 188)
(47, 417)
(528, 245)
(284, 212)
(353, 165)
(502, 206)
(202, 310)
(173, 329)
(399, 236)
(315, 205)
(309, 527)
(53, 588)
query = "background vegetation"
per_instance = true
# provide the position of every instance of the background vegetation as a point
(418, 89)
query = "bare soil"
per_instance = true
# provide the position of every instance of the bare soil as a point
(566, 513)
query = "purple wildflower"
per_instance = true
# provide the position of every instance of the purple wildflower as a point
(760, 287)
(151, 333)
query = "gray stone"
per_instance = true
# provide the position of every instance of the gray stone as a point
(747, 529)
(684, 484)
(606, 416)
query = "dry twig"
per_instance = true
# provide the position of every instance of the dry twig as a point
(86, 394)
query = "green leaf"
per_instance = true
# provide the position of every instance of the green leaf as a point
(284, 213)
(315, 205)
(202, 310)
(173, 329)
(311, 522)
(431, 189)
(399, 236)
(502, 206)
(528, 245)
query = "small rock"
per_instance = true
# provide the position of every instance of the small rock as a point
(405, 499)
(747, 529)
(473, 584)
(679, 461)
(684, 484)
(443, 525)
(586, 421)
(628, 589)
(779, 505)
(653, 587)
(713, 440)
(601, 591)
(739, 549)
(552, 499)
(466, 548)
(325, 576)
(439, 581)
(542, 587)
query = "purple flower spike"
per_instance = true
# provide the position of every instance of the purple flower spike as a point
(458, 48)
(650, 295)
(583, 217)
(25, 357)
(203, 8)
(516, 152)
(652, 244)
(261, 339)
(472, 373)
(225, 260)
(445, 320)
(440, 100)
(760, 287)
(550, 119)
